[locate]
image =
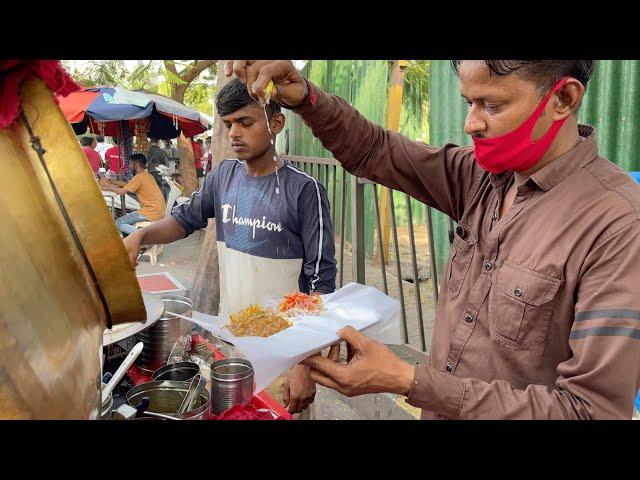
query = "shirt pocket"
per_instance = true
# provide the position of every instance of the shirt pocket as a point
(521, 305)
(463, 249)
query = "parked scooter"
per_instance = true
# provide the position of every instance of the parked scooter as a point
(175, 196)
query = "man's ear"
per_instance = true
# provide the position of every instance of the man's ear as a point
(568, 99)
(277, 122)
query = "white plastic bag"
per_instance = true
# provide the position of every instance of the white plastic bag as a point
(364, 308)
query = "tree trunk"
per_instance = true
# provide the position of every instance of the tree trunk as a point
(178, 92)
(187, 169)
(206, 285)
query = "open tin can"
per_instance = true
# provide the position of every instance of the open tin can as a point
(231, 384)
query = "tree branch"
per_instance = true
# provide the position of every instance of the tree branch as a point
(191, 73)
(169, 65)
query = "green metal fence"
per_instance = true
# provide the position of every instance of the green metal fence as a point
(363, 84)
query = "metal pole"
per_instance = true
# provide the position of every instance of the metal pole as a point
(357, 229)
(414, 264)
(394, 228)
(380, 246)
(335, 185)
(326, 178)
(394, 108)
(343, 209)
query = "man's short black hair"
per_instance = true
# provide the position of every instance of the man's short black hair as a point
(199, 140)
(100, 138)
(86, 141)
(234, 96)
(139, 158)
(546, 73)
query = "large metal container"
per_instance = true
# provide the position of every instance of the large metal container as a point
(231, 384)
(160, 338)
(167, 396)
(64, 272)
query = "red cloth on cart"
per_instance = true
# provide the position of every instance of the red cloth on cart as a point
(14, 72)
(245, 412)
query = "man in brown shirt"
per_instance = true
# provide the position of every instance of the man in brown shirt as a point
(539, 310)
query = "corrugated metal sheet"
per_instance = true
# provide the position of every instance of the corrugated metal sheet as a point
(363, 83)
(447, 113)
(611, 104)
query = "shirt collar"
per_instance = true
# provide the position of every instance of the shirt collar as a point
(584, 152)
(552, 174)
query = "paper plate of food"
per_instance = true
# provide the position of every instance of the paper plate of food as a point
(279, 333)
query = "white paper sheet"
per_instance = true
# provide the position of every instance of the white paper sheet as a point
(364, 308)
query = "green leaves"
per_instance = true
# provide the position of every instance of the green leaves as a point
(154, 76)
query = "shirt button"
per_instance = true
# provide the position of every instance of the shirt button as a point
(488, 266)
(468, 318)
(518, 292)
(495, 215)
(449, 368)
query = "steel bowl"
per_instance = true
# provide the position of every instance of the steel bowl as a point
(179, 371)
(166, 397)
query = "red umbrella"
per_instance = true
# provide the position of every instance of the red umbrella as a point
(103, 109)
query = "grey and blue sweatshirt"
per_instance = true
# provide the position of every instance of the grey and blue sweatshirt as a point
(269, 243)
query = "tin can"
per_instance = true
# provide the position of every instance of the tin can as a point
(231, 384)
(160, 338)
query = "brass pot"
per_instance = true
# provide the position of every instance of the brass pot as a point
(64, 273)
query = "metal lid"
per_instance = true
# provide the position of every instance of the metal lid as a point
(184, 370)
(175, 304)
(231, 370)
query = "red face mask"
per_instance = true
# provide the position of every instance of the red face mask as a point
(516, 150)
